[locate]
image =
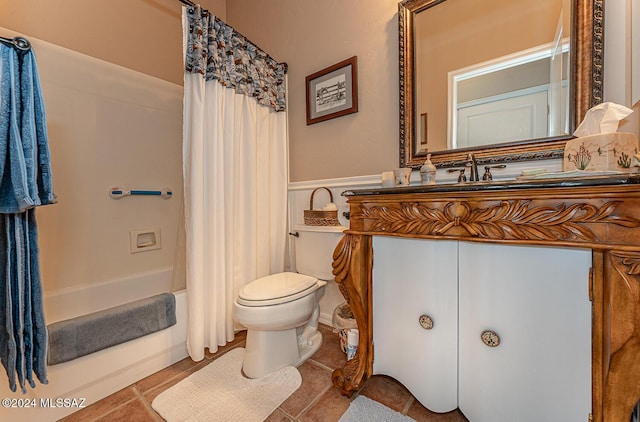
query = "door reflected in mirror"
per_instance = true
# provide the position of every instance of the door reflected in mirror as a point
(498, 72)
(509, 99)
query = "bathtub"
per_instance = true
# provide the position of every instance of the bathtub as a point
(90, 378)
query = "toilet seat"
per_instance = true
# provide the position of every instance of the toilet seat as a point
(276, 289)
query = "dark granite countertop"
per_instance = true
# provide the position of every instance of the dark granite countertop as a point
(618, 179)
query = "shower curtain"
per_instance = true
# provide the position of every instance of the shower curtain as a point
(235, 172)
(25, 182)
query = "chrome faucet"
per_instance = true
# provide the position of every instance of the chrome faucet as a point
(473, 173)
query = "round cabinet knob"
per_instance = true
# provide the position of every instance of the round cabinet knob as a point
(426, 322)
(490, 338)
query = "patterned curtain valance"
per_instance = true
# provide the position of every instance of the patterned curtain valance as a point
(217, 51)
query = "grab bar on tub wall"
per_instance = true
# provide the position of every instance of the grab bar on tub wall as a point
(118, 193)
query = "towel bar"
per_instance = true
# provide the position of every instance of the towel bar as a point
(118, 193)
(19, 43)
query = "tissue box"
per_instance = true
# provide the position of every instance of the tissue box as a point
(601, 152)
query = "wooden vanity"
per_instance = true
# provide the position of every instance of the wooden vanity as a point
(598, 213)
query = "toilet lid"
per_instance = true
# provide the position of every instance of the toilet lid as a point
(276, 286)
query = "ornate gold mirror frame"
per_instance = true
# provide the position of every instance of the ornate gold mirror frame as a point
(587, 40)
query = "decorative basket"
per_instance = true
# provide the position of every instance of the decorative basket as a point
(320, 218)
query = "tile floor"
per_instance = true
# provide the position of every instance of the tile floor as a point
(315, 400)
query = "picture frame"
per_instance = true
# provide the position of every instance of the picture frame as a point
(332, 92)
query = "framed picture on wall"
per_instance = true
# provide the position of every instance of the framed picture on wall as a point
(332, 92)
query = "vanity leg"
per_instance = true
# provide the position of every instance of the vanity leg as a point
(352, 262)
(622, 321)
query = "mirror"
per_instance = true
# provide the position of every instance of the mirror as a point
(461, 59)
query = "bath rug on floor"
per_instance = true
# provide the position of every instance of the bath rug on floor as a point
(365, 409)
(86, 334)
(219, 392)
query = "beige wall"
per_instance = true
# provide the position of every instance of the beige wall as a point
(311, 35)
(143, 35)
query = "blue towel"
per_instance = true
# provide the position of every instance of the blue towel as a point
(25, 168)
(25, 182)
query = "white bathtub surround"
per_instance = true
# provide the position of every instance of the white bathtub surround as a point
(235, 193)
(126, 127)
(76, 301)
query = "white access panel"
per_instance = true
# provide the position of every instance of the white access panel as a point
(413, 277)
(536, 299)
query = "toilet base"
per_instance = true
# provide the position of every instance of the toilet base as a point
(269, 351)
(308, 347)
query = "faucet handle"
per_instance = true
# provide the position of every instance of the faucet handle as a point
(462, 177)
(487, 176)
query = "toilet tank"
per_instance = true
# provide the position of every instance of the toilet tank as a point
(314, 250)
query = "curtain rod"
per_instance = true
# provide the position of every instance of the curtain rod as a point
(19, 43)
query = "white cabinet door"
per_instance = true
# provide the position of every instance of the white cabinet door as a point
(411, 278)
(536, 299)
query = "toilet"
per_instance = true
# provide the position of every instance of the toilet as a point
(281, 311)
